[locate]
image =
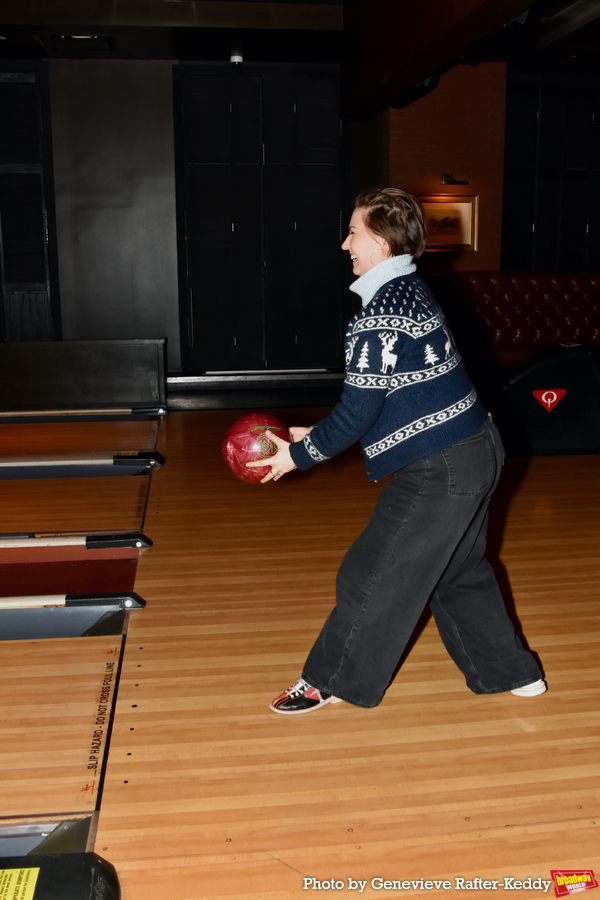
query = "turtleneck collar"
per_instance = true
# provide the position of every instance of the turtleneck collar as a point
(368, 284)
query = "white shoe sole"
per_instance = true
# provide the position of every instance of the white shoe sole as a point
(531, 690)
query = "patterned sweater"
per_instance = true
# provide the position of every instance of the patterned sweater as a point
(407, 392)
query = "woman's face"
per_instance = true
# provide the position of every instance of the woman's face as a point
(365, 248)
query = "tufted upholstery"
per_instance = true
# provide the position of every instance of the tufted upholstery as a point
(522, 311)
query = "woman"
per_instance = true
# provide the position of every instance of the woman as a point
(409, 400)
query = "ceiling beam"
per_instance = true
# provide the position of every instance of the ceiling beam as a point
(393, 45)
(567, 21)
(96, 15)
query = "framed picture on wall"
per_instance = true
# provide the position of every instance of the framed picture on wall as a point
(452, 221)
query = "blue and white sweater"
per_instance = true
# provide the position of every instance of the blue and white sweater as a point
(407, 392)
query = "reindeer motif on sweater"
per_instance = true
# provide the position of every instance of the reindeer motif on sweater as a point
(388, 359)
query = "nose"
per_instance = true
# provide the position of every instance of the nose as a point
(346, 244)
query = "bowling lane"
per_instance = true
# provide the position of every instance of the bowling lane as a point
(57, 706)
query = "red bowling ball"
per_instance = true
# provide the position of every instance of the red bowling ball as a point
(246, 441)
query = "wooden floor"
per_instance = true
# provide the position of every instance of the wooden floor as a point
(210, 795)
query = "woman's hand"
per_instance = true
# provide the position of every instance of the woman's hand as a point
(298, 433)
(280, 463)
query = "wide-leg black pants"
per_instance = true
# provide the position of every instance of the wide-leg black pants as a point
(425, 542)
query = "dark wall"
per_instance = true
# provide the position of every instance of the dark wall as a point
(29, 296)
(457, 128)
(366, 149)
(112, 124)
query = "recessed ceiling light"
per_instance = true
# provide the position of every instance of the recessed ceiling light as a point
(82, 43)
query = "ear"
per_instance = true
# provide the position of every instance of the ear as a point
(385, 248)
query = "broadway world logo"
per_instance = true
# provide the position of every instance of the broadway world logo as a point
(573, 881)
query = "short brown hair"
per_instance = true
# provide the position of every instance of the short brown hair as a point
(397, 217)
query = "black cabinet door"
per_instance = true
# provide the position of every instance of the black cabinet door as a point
(222, 206)
(302, 202)
(259, 201)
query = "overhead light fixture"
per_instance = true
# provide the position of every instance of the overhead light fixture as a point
(99, 43)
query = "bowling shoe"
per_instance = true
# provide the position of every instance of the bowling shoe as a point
(301, 697)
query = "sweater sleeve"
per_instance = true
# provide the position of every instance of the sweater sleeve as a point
(361, 403)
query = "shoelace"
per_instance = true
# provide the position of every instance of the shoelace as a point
(298, 688)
